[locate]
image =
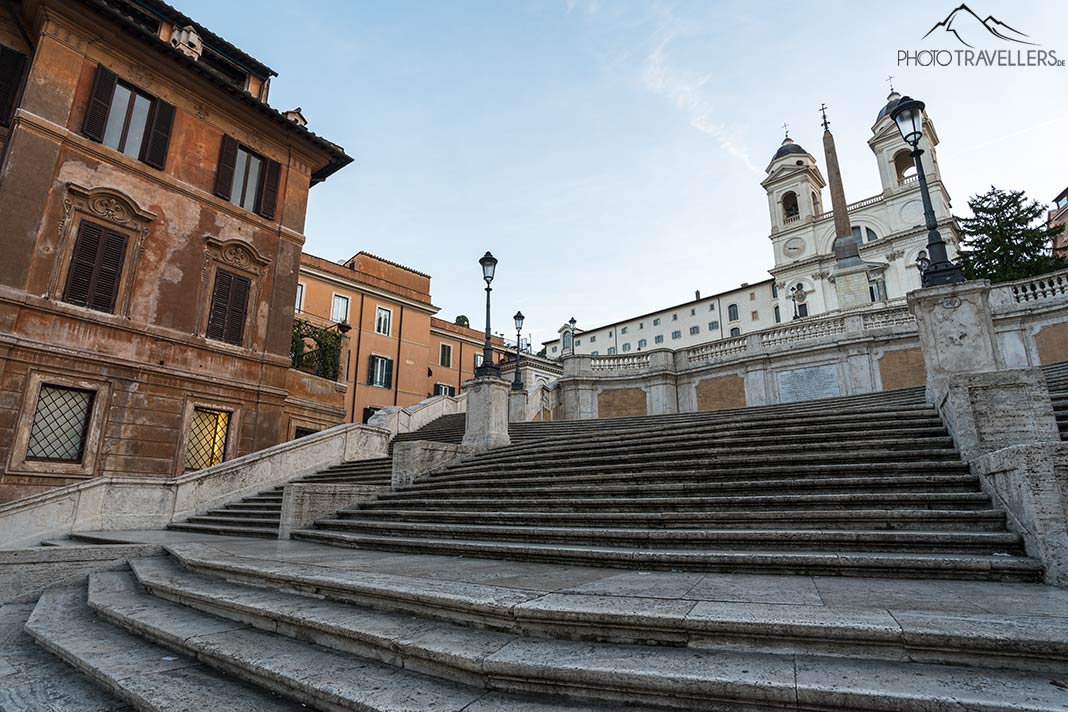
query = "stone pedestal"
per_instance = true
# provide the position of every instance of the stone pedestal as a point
(487, 413)
(851, 284)
(304, 502)
(413, 459)
(956, 332)
(517, 406)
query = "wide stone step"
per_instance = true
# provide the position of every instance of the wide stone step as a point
(228, 520)
(909, 500)
(713, 478)
(146, 675)
(376, 611)
(232, 510)
(894, 519)
(254, 506)
(313, 675)
(226, 529)
(824, 563)
(727, 539)
(644, 484)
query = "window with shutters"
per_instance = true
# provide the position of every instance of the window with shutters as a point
(12, 68)
(206, 441)
(380, 372)
(128, 119)
(442, 389)
(96, 267)
(339, 309)
(300, 297)
(247, 179)
(445, 355)
(229, 307)
(60, 422)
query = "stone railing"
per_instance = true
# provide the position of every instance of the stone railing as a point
(864, 203)
(907, 180)
(716, 351)
(638, 361)
(397, 419)
(887, 318)
(801, 331)
(115, 503)
(1047, 287)
(791, 219)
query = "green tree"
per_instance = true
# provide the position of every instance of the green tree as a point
(1007, 238)
(462, 321)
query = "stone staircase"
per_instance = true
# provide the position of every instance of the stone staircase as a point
(868, 485)
(1057, 379)
(209, 629)
(259, 515)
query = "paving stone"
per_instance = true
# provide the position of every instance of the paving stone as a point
(652, 584)
(793, 590)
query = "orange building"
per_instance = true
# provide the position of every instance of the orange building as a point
(395, 351)
(1059, 216)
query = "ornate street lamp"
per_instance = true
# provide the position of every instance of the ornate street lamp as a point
(797, 295)
(488, 368)
(517, 382)
(908, 115)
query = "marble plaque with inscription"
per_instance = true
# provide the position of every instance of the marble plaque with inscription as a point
(811, 383)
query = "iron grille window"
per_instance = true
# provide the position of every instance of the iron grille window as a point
(60, 422)
(207, 438)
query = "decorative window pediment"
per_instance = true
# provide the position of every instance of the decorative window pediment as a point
(237, 253)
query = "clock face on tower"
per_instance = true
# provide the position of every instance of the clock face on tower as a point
(794, 248)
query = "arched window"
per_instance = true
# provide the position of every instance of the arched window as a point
(790, 210)
(736, 331)
(904, 166)
(863, 235)
(568, 341)
(732, 312)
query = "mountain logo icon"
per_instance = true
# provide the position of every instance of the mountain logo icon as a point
(968, 28)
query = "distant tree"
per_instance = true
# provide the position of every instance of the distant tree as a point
(463, 321)
(1007, 238)
(544, 351)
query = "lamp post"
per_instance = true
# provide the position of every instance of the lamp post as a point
(908, 115)
(488, 368)
(797, 293)
(517, 382)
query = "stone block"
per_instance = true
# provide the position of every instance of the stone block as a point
(990, 411)
(304, 502)
(517, 406)
(721, 393)
(1030, 482)
(25, 573)
(415, 458)
(487, 413)
(621, 402)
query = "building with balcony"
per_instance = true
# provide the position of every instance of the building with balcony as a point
(153, 206)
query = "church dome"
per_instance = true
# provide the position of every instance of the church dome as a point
(891, 103)
(788, 146)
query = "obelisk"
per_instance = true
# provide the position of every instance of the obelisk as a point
(850, 274)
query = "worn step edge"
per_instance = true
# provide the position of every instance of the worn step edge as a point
(992, 641)
(895, 565)
(62, 624)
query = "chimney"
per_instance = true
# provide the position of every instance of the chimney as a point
(697, 294)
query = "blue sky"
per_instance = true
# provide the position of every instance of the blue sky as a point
(609, 152)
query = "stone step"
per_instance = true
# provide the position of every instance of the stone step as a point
(881, 540)
(227, 529)
(147, 676)
(228, 520)
(233, 510)
(312, 675)
(743, 477)
(264, 498)
(642, 483)
(378, 611)
(893, 519)
(34, 680)
(254, 506)
(909, 500)
(824, 563)
(717, 468)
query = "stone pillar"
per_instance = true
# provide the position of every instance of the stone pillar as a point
(487, 413)
(517, 406)
(986, 406)
(413, 459)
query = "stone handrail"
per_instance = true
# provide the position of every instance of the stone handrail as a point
(887, 318)
(864, 203)
(799, 331)
(397, 419)
(909, 179)
(716, 350)
(115, 503)
(620, 363)
(1046, 287)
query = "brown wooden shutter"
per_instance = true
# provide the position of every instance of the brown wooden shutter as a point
(11, 65)
(371, 371)
(235, 317)
(83, 263)
(389, 373)
(224, 176)
(159, 134)
(108, 271)
(96, 115)
(269, 189)
(220, 304)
